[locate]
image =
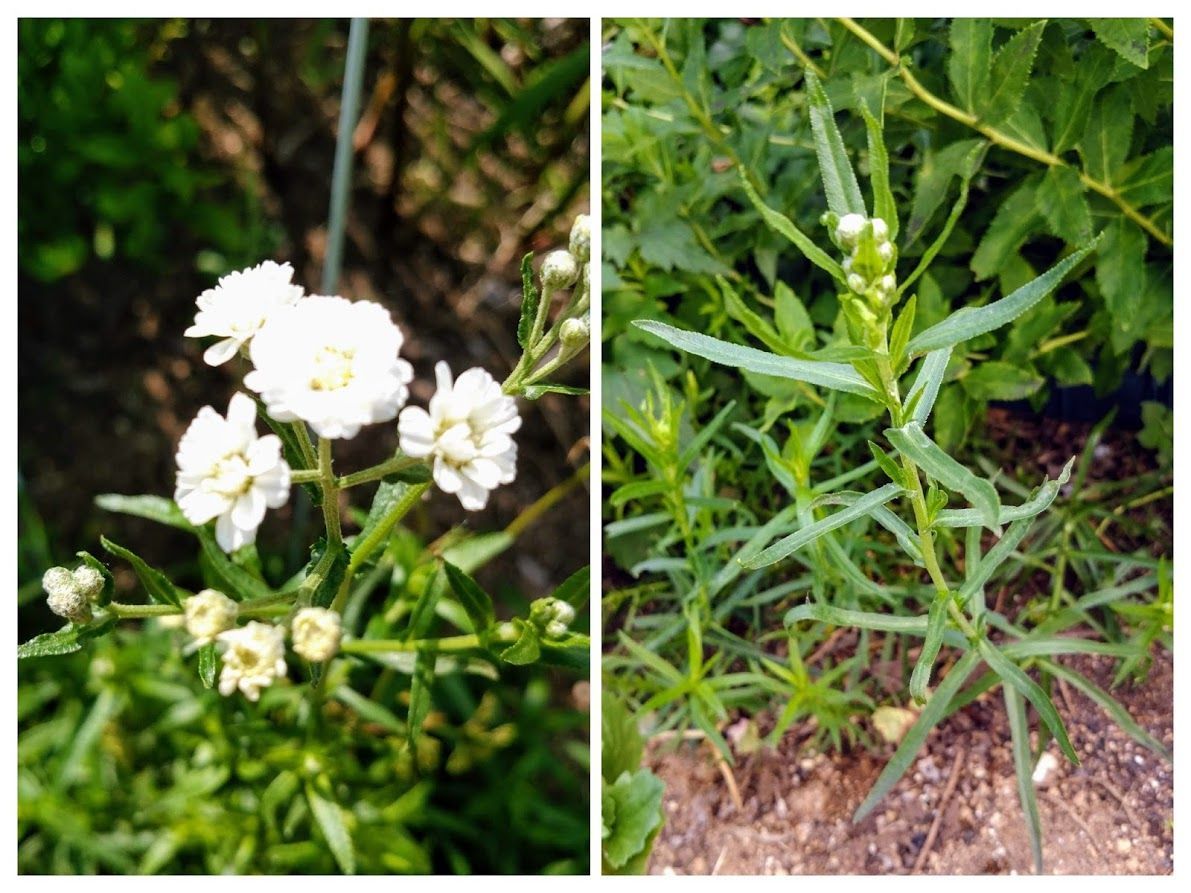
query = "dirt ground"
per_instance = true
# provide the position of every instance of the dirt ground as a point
(1111, 815)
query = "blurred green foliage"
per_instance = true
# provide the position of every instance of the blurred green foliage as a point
(108, 160)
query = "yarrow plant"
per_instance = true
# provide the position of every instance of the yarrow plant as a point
(330, 367)
(882, 356)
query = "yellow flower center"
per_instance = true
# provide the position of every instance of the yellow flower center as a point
(332, 369)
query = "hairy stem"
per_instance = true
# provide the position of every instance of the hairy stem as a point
(449, 643)
(326, 479)
(399, 462)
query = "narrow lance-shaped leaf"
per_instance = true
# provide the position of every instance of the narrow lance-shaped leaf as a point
(836, 376)
(1031, 691)
(784, 226)
(970, 60)
(207, 664)
(156, 583)
(932, 713)
(419, 697)
(968, 322)
(329, 816)
(884, 205)
(1035, 505)
(936, 624)
(906, 537)
(899, 336)
(1011, 69)
(925, 389)
(476, 602)
(154, 508)
(839, 180)
(790, 544)
(911, 442)
(529, 301)
(1023, 766)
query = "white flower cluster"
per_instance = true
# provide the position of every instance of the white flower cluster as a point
(70, 593)
(316, 633)
(208, 615)
(468, 433)
(253, 657)
(871, 257)
(552, 616)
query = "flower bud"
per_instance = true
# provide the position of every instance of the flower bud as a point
(208, 614)
(64, 596)
(316, 633)
(580, 245)
(885, 251)
(849, 229)
(888, 284)
(89, 581)
(880, 229)
(556, 629)
(559, 270)
(574, 333)
(856, 283)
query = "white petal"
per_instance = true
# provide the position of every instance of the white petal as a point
(483, 472)
(249, 510)
(264, 455)
(220, 352)
(472, 496)
(199, 506)
(416, 431)
(229, 536)
(241, 411)
(446, 476)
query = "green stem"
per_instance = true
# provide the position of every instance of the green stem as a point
(132, 612)
(1000, 138)
(304, 445)
(303, 476)
(547, 501)
(390, 466)
(326, 477)
(450, 643)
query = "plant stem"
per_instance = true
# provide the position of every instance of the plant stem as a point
(397, 463)
(1000, 138)
(303, 476)
(547, 501)
(132, 612)
(450, 643)
(304, 444)
(326, 478)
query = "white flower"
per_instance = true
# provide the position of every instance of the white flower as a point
(315, 633)
(580, 243)
(225, 471)
(238, 306)
(849, 228)
(468, 432)
(64, 596)
(88, 580)
(857, 283)
(330, 362)
(254, 656)
(880, 230)
(559, 270)
(208, 614)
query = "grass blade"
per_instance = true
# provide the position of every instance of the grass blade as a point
(1023, 765)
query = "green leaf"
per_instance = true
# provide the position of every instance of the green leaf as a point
(575, 589)
(155, 508)
(839, 180)
(899, 337)
(414, 474)
(66, 640)
(695, 448)
(1061, 201)
(534, 391)
(422, 613)
(529, 301)
(783, 226)
(794, 324)
(419, 696)
(911, 442)
(884, 205)
(475, 600)
(329, 816)
(1148, 180)
(1129, 38)
(1013, 675)
(1074, 101)
(1121, 275)
(207, 664)
(156, 583)
(836, 376)
(968, 322)
(1035, 505)
(888, 465)
(914, 626)
(1014, 222)
(936, 624)
(970, 61)
(636, 802)
(859, 509)
(232, 580)
(527, 648)
(959, 159)
(996, 380)
(1011, 69)
(753, 323)
(734, 567)
(1107, 135)
(925, 390)
(1023, 765)
(325, 589)
(621, 744)
(932, 713)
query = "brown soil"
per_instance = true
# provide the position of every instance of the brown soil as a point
(1111, 815)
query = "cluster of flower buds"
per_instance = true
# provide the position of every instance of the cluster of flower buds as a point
(552, 616)
(253, 655)
(566, 268)
(871, 257)
(70, 593)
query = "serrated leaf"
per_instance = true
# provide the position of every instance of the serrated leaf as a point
(476, 602)
(154, 508)
(1148, 180)
(790, 544)
(526, 649)
(63, 641)
(1074, 100)
(529, 301)
(1011, 68)
(839, 180)
(207, 664)
(783, 226)
(1107, 135)
(968, 322)
(932, 713)
(912, 442)
(1013, 675)
(1015, 220)
(836, 376)
(1060, 199)
(637, 799)
(959, 159)
(936, 624)
(1121, 275)
(970, 61)
(996, 380)
(670, 244)
(1129, 38)
(329, 816)
(157, 584)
